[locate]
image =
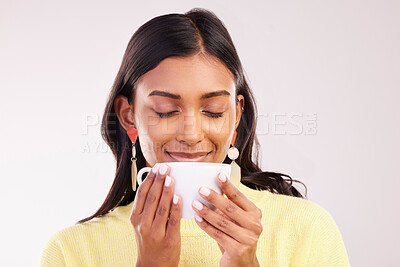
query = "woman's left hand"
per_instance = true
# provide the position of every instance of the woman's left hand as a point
(235, 225)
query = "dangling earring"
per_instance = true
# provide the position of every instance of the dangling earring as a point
(132, 133)
(233, 153)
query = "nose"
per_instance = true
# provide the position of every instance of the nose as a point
(190, 129)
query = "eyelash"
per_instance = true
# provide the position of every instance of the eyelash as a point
(211, 114)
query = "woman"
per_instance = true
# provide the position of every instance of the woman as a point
(182, 88)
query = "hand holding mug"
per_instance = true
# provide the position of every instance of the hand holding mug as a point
(235, 225)
(155, 217)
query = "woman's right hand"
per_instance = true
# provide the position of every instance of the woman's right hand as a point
(155, 217)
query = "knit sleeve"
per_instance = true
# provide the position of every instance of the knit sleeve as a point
(52, 254)
(327, 246)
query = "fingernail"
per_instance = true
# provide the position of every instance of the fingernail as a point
(175, 200)
(167, 181)
(198, 218)
(197, 205)
(155, 168)
(162, 169)
(222, 177)
(205, 191)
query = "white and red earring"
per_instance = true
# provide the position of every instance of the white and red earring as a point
(233, 153)
(133, 134)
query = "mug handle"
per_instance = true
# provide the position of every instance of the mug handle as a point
(140, 174)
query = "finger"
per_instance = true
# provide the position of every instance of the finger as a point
(241, 235)
(227, 207)
(154, 194)
(222, 214)
(164, 206)
(225, 242)
(234, 194)
(225, 216)
(174, 222)
(142, 191)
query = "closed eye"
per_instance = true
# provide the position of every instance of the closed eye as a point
(165, 115)
(214, 115)
(210, 114)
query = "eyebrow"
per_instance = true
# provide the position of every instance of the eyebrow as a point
(204, 96)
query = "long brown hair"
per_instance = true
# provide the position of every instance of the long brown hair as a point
(183, 35)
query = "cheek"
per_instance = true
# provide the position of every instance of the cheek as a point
(152, 133)
(218, 129)
(219, 132)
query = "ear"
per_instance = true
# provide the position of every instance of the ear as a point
(124, 112)
(239, 109)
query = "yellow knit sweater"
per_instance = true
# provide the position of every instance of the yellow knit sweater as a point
(297, 232)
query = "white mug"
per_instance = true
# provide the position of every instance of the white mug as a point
(189, 177)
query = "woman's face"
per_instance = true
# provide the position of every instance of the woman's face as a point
(185, 110)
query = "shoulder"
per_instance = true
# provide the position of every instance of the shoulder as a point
(302, 223)
(110, 223)
(284, 207)
(85, 237)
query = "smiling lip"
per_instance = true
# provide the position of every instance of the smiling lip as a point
(192, 157)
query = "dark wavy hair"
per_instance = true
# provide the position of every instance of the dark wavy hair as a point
(183, 35)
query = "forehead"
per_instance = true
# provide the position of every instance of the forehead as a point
(195, 75)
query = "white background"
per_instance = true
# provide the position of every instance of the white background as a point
(336, 59)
